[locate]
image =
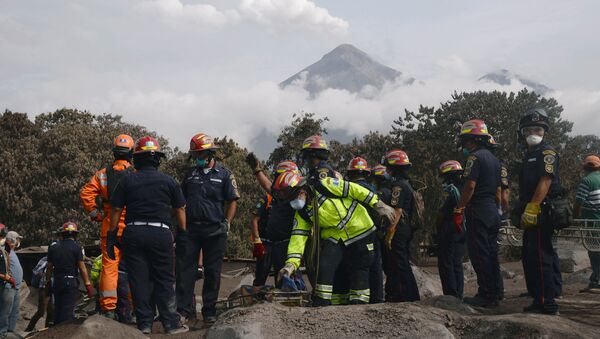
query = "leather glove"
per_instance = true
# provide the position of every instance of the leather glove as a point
(12, 282)
(95, 215)
(111, 242)
(459, 219)
(90, 290)
(253, 162)
(385, 211)
(389, 235)
(259, 249)
(286, 271)
(529, 218)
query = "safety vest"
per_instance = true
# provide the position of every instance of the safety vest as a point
(342, 216)
(95, 271)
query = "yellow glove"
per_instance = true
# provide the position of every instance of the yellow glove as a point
(529, 218)
(389, 235)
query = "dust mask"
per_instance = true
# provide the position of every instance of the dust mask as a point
(298, 203)
(2, 242)
(534, 140)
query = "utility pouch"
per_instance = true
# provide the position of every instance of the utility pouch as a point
(561, 213)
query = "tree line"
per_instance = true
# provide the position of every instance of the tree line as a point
(44, 162)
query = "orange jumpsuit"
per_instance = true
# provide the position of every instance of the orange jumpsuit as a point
(94, 190)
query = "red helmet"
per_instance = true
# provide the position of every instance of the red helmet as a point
(474, 128)
(148, 144)
(202, 142)
(3, 230)
(314, 142)
(123, 143)
(396, 157)
(379, 171)
(286, 166)
(358, 164)
(287, 185)
(450, 166)
(69, 226)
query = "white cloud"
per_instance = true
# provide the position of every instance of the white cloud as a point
(274, 14)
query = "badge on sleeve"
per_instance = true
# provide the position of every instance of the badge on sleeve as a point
(549, 168)
(396, 195)
(549, 159)
(469, 165)
(322, 174)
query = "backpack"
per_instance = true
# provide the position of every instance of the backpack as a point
(113, 177)
(418, 213)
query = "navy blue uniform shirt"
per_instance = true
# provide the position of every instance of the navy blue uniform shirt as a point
(65, 256)
(279, 219)
(261, 210)
(206, 194)
(484, 168)
(543, 160)
(149, 196)
(402, 197)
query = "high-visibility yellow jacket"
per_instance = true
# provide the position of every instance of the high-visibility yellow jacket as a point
(96, 269)
(342, 216)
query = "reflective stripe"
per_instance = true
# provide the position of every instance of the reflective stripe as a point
(301, 232)
(360, 292)
(369, 198)
(350, 241)
(323, 295)
(339, 299)
(348, 216)
(294, 256)
(320, 202)
(324, 288)
(363, 298)
(346, 189)
(144, 223)
(105, 294)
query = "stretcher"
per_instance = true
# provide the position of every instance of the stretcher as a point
(583, 232)
(251, 295)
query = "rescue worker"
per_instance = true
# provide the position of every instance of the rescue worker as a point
(400, 284)
(587, 206)
(211, 192)
(272, 223)
(314, 155)
(10, 302)
(539, 183)
(95, 198)
(451, 241)
(381, 180)
(343, 235)
(150, 198)
(504, 205)
(358, 172)
(478, 206)
(65, 263)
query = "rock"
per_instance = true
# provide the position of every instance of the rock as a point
(571, 259)
(94, 327)
(429, 285)
(579, 277)
(24, 291)
(245, 331)
(450, 303)
(506, 274)
(469, 272)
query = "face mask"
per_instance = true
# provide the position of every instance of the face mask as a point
(2, 242)
(466, 152)
(297, 204)
(534, 140)
(201, 162)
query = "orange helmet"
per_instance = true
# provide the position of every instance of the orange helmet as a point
(379, 171)
(450, 166)
(69, 226)
(287, 185)
(123, 143)
(202, 142)
(314, 142)
(358, 164)
(148, 144)
(474, 128)
(396, 157)
(286, 166)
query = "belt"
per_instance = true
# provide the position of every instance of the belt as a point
(68, 276)
(144, 223)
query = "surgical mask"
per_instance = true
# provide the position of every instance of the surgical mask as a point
(2, 242)
(201, 162)
(466, 152)
(534, 140)
(298, 203)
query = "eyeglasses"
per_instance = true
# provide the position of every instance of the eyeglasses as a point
(532, 130)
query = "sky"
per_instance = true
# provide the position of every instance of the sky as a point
(181, 67)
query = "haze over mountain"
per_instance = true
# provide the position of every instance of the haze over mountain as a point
(345, 67)
(505, 77)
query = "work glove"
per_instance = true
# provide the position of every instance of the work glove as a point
(253, 162)
(389, 235)
(529, 218)
(259, 249)
(286, 271)
(111, 243)
(90, 291)
(95, 215)
(385, 211)
(459, 219)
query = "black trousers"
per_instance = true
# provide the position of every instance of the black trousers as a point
(124, 309)
(343, 275)
(539, 264)
(400, 284)
(275, 256)
(213, 251)
(451, 250)
(148, 254)
(66, 294)
(483, 225)
(376, 272)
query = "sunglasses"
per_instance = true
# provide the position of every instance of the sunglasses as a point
(532, 130)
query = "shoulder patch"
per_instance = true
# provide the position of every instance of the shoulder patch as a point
(549, 168)
(549, 159)
(395, 195)
(322, 174)
(335, 182)
(471, 157)
(503, 172)
(233, 181)
(549, 152)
